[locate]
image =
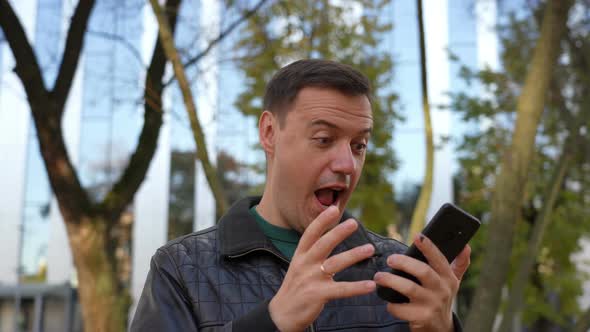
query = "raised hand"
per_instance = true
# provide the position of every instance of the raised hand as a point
(430, 306)
(308, 285)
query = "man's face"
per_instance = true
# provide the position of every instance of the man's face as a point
(318, 155)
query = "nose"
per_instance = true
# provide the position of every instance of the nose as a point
(344, 161)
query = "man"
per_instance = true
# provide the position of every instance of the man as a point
(293, 260)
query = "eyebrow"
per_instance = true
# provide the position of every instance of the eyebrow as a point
(320, 122)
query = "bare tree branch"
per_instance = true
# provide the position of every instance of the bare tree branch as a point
(27, 67)
(47, 111)
(125, 188)
(123, 41)
(197, 130)
(419, 214)
(219, 38)
(72, 49)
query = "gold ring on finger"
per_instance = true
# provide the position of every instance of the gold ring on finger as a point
(326, 272)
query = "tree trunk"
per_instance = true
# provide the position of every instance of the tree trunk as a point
(105, 302)
(508, 191)
(104, 298)
(419, 215)
(583, 323)
(526, 263)
(200, 142)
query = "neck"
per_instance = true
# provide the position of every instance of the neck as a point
(268, 209)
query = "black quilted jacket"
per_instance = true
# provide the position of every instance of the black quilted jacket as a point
(222, 278)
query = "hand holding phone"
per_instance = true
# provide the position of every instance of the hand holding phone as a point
(450, 230)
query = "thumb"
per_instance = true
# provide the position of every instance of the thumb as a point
(461, 262)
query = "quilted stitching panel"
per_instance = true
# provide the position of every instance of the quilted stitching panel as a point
(222, 289)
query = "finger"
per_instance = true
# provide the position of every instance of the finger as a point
(350, 257)
(344, 289)
(419, 315)
(410, 311)
(324, 246)
(407, 287)
(318, 226)
(461, 263)
(437, 261)
(427, 276)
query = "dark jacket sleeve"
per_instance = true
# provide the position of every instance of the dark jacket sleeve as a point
(256, 320)
(163, 305)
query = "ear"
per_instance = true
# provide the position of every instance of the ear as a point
(267, 132)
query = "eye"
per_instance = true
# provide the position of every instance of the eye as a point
(323, 140)
(359, 147)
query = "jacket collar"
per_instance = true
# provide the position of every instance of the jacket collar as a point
(240, 234)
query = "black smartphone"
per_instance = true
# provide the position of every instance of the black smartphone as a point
(450, 230)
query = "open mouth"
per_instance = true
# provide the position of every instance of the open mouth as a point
(328, 196)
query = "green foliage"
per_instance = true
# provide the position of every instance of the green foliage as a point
(285, 31)
(555, 285)
(553, 292)
(233, 175)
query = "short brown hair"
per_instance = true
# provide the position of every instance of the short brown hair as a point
(289, 80)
